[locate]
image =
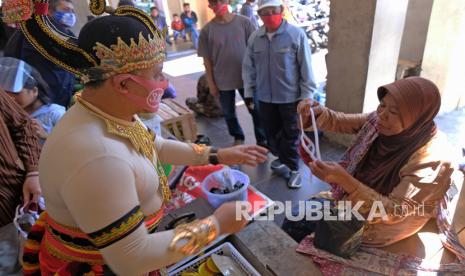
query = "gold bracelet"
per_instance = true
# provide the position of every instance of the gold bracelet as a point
(194, 236)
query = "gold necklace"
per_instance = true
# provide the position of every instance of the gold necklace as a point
(141, 139)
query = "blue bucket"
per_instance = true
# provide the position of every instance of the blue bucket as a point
(216, 200)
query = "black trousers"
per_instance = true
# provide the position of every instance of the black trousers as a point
(280, 124)
(228, 104)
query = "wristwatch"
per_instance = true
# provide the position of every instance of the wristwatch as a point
(213, 156)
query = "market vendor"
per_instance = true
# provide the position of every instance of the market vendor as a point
(100, 169)
(399, 159)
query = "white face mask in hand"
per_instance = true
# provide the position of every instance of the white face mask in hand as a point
(313, 150)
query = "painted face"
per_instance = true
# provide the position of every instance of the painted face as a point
(390, 121)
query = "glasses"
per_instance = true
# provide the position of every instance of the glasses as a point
(269, 11)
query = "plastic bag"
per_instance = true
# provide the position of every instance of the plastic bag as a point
(339, 237)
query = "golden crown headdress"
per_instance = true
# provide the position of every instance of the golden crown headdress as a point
(123, 58)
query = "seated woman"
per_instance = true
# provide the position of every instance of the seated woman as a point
(25, 84)
(399, 158)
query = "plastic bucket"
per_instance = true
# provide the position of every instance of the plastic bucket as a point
(216, 200)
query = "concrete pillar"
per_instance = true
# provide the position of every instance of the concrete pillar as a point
(415, 30)
(82, 11)
(364, 44)
(444, 56)
(171, 7)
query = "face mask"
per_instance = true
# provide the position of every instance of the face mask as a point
(272, 21)
(219, 9)
(309, 151)
(151, 102)
(66, 18)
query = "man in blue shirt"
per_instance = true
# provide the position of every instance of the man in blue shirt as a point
(247, 11)
(189, 18)
(277, 67)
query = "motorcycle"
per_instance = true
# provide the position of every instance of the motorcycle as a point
(317, 34)
(313, 17)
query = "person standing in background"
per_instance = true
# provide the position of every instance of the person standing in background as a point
(222, 45)
(278, 69)
(248, 11)
(189, 18)
(160, 22)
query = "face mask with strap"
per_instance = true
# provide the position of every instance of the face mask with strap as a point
(312, 149)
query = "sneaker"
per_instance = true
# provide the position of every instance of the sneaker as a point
(238, 142)
(280, 169)
(276, 164)
(295, 180)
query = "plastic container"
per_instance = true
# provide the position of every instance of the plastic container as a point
(216, 200)
(225, 249)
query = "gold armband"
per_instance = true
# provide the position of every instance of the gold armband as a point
(194, 236)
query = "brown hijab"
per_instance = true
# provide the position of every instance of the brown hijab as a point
(418, 100)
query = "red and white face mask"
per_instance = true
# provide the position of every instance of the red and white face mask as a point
(151, 102)
(219, 9)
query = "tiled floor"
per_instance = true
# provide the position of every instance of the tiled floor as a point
(453, 124)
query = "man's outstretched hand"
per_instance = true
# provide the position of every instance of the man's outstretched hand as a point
(242, 155)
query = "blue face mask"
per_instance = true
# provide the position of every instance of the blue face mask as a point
(66, 18)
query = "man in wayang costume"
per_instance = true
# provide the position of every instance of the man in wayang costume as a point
(100, 169)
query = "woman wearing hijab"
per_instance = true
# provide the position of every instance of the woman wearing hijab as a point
(398, 159)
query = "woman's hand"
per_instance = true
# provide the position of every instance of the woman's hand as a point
(246, 155)
(303, 108)
(332, 172)
(31, 186)
(439, 186)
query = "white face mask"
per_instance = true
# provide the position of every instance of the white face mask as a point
(66, 18)
(313, 150)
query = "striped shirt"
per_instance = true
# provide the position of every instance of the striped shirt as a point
(19, 154)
